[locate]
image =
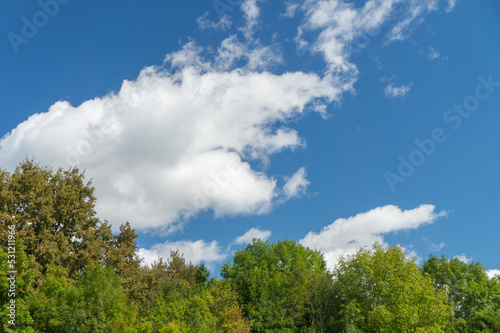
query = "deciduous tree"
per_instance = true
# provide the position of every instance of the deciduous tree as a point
(476, 297)
(274, 282)
(383, 291)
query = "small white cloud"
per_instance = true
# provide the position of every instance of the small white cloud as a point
(296, 185)
(492, 273)
(393, 91)
(205, 23)
(437, 248)
(433, 53)
(256, 233)
(412, 255)
(346, 236)
(195, 252)
(451, 5)
(385, 79)
(290, 10)
(463, 258)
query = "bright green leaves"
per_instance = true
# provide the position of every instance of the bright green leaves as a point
(382, 291)
(274, 282)
(94, 303)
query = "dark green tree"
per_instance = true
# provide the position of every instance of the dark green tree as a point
(476, 297)
(202, 274)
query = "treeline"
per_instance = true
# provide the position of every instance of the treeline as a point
(74, 275)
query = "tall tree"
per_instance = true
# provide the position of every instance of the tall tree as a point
(476, 297)
(274, 282)
(54, 216)
(383, 291)
(52, 213)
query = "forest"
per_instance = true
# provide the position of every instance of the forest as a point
(64, 270)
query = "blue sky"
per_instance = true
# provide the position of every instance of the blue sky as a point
(333, 123)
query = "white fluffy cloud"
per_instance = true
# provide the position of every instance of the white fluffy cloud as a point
(178, 141)
(248, 236)
(172, 143)
(195, 252)
(346, 236)
(296, 185)
(393, 91)
(492, 273)
(463, 258)
(199, 251)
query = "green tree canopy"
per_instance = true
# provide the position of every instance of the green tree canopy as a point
(75, 275)
(96, 302)
(188, 302)
(476, 297)
(383, 291)
(54, 216)
(274, 282)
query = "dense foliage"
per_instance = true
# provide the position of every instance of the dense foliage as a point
(382, 291)
(75, 275)
(277, 284)
(476, 297)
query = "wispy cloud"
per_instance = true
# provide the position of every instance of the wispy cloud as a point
(433, 53)
(291, 8)
(251, 13)
(437, 247)
(393, 91)
(204, 22)
(340, 25)
(451, 5)
(415, 12)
